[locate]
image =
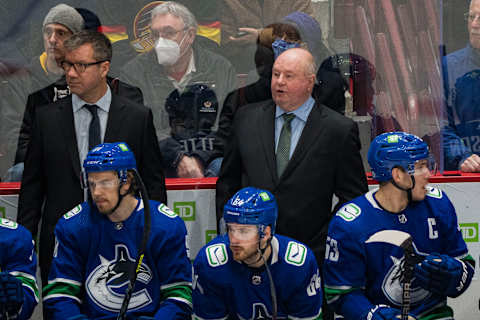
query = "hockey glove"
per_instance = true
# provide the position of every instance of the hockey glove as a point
(443, 275)
(384, 312)
(11, 294)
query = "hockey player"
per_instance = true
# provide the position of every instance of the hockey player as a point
(18, 263)
(251, 273)
(97, 246)
(366, 271)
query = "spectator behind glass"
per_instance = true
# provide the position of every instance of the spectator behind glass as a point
(461, 133)
(192, 114)
(358, 72)
(60, 90)
(58, 24)
(242, 21)
(177, 62)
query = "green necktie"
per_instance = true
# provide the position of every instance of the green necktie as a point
(283, 148)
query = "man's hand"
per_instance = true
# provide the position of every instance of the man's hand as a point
(190, 167)
(441, 274)
(11, 295)
(471, 164)
(250, 36)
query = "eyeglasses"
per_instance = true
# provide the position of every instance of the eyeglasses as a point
(103, 184)
(167, 33)
(469, 16)
(79, 67)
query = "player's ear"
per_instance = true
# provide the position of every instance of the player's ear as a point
(397, 174)
(268, 233)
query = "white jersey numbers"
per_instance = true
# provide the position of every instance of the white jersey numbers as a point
(331, 250)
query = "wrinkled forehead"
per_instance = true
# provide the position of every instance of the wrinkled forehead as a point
(56, 27)
(165, 20)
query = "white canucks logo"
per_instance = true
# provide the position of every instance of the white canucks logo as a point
(107, 283)
(392, 287)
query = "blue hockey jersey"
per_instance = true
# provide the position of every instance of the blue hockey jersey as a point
(17, 257)
(223, 287)
(93, 257)
(356, 265)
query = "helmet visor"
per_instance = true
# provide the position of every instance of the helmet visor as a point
(425, 166)
(243, 232)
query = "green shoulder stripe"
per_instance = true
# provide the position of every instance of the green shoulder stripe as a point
(62, 288)
(179, 292)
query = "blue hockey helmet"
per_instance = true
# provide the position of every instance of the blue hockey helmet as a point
(110, 157)
(252, 206)
(395, 149)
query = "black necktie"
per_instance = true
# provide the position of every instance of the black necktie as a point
(94, 128)
(284, 141)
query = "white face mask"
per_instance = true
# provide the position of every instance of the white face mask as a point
(168, 51)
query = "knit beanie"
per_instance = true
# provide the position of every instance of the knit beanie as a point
(310, 32)
(64, 15)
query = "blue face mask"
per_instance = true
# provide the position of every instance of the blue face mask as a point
(281, 45)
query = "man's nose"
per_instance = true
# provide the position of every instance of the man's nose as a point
(52, 37)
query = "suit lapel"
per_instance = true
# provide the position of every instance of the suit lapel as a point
(65, 120)
(267, 132)
(115, 120)
(311, 132)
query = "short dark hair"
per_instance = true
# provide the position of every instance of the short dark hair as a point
(102, 47)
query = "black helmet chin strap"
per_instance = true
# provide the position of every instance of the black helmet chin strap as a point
(407, 190)
(120, 198)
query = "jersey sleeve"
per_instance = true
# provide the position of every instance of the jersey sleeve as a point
(306, 299)
(62, 296)
(22, 263)
(208, 299)
(170, 254)
(345, 272)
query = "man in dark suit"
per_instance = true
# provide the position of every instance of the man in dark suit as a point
(64, 131)
(300, 150)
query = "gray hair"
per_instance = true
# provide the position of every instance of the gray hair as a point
(102, 47)
(177, 10)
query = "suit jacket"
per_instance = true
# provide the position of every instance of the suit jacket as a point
(52, 165)
(326, 161)
(49, 95)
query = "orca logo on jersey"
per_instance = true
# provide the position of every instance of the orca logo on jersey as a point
(392, 287)
(107, 283)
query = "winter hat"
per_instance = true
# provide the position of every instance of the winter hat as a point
(92, 22)
(64, 15)
(310, 32)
